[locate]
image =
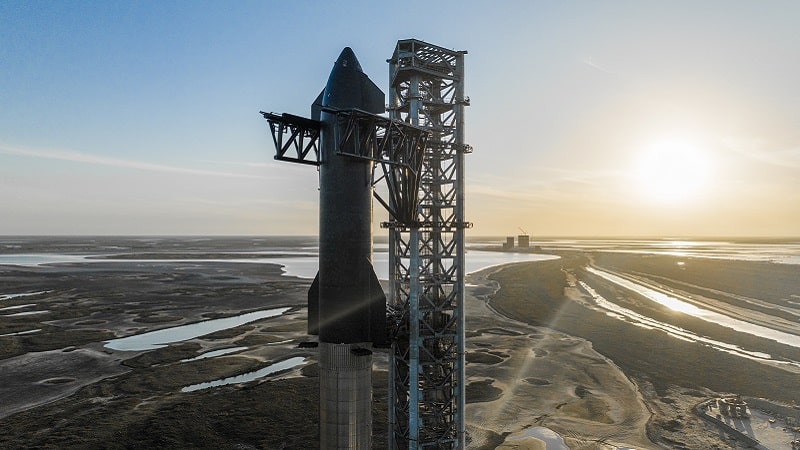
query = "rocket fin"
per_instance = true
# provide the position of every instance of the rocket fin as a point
(377, 311)
(313, 307)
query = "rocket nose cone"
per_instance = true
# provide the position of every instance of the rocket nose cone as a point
(347, 59)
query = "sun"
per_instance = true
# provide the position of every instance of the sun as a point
(672, 171)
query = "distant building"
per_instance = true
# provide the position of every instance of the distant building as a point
(509, 243)
(524, 240)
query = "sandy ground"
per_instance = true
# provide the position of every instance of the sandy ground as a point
(60, 388)
(545, 378)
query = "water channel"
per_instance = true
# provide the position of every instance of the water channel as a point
(677, 304)
(160, 338)
(249, 376)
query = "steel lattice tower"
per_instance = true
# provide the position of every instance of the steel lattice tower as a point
(426, 392)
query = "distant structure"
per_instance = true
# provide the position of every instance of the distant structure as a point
(756, 422)
(524, 239)
(509, 243)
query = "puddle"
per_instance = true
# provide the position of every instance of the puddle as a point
(551, 439)
(20, 333)
(249, 376)
(9, 308)
(27, 313)
(37, 259)
(214, 353)
(160, 338)
(23, 294)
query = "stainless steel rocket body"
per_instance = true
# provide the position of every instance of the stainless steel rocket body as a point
(346, 302)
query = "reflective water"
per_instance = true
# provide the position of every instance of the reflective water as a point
(551, 439)
(160, 338)
(42, 250)
(23, 294)
(776, 251)
(27, 313)
(20, 333)
(299, 264)
(35, 259)
(213, 353)
(700, 313)
(474, 260)
(616, 311)
(8, 308)
(250, 376)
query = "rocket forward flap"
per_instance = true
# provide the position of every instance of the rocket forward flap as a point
(373, 98)
(316, 107)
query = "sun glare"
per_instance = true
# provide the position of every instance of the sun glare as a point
(672, 171)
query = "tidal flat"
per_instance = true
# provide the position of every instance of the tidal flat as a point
(541, 355)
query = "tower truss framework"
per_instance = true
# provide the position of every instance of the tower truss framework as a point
(426, 302)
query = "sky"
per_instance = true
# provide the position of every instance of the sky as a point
(615, 118)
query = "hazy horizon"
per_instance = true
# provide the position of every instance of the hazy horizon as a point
(614, 119)
(677, 240)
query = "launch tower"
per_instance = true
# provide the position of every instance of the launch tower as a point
(426, 256)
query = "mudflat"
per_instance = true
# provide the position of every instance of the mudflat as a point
(60, 387)
(535, 358)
